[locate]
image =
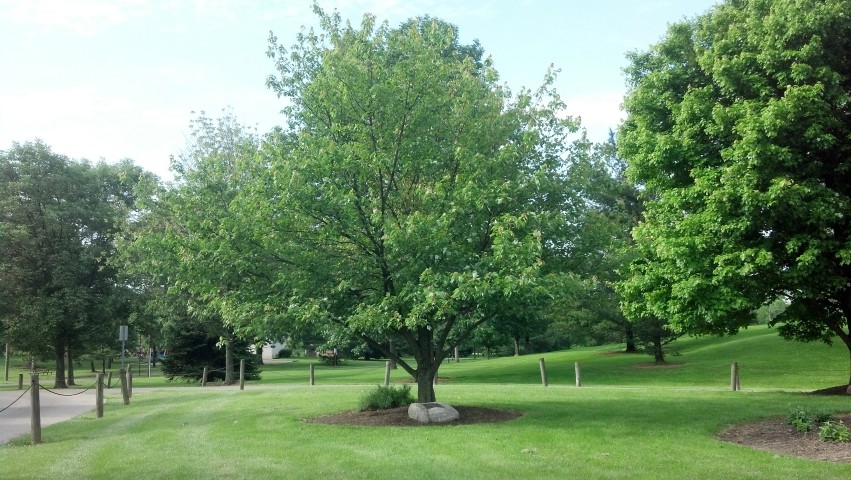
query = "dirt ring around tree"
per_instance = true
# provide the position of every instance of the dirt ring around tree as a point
(398, 417)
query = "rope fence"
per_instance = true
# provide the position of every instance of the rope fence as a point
(15, 401)
(69, 394)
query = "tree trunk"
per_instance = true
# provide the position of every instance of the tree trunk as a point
(392, 349)
(427, 364)
(59, 377)
(228, 363)
(629, 333)
(70, 360)
(516, 346)
(425, 385)
(658, 352)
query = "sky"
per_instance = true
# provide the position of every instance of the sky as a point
(115, 79)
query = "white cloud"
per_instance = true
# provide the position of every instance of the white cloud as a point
(82, 123)
(599, 111)
(83, 17)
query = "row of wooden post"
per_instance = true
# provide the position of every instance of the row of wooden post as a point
(735, 383)
(126, 379)
(35, 400)
(241, 375)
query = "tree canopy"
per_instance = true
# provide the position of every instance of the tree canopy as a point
(59, 221)
(739, 131)
(410, 195)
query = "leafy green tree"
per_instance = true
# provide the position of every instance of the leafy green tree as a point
(411, 194)
(738, 129)
(59, 220)
(192, 240)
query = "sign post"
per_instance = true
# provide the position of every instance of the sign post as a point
(122, 336)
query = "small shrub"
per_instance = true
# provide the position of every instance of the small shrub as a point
(834, 431)
(284, 353)
(382, 398)
(800, 419)
(822, 416)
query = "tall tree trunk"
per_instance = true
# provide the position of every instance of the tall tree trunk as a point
(658, 352)
(59, 377)
(70, 359)
(426, 365)
(425, 384)
(392, 349)
(517, 346)
(228, 362)
(629, 333)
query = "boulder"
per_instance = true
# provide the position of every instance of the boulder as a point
(432, 412)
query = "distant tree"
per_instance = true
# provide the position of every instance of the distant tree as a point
(738, 130)
(410, 193)
(766, 314)
(59, 220)
(192, 239)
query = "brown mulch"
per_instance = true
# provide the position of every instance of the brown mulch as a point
(398, 417)
(775, 435)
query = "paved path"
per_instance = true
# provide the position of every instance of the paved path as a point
(15, 421)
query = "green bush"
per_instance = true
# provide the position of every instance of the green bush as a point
(822, 417)
(382, 398)
(834, 431)
(800, 419)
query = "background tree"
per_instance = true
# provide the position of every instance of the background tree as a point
(409, 192)
(59, 221)
(738, 129)
(192, 240)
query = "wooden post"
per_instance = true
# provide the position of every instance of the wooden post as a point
(130, 381)
(242, 374)
(109, 381)
(578, 374)
(20, 381)
(387, 374)
(204, 377)
(122, 376)
(312, 378)
(99, 396)
(734, 376)
(35, 419)
(6, 365)
(543, 372)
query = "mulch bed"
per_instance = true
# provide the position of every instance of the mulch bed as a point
(398, 417)
(775, 435)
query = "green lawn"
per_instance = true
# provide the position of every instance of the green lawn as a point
(626, 422)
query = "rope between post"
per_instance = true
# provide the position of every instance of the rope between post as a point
(68, 394)
(16, 400)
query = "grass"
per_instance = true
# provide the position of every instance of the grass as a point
(626, 422)
(602, 432)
